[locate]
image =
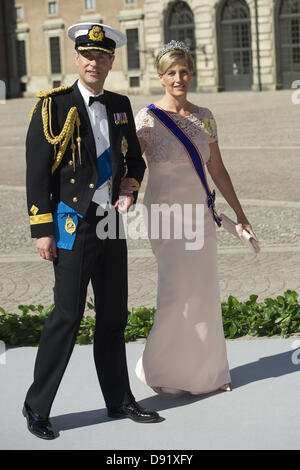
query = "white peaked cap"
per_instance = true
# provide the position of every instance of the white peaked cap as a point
(96, 36)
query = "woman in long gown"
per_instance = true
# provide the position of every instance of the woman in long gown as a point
(186, 349)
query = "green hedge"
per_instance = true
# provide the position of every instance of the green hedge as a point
(278, 316)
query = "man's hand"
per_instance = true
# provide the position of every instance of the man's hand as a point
(47, 247)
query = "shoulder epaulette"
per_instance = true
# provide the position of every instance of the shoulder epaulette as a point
(41, 95)
(53, 92)
(61, 141)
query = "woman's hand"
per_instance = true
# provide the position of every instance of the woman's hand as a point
(127, 187)
(243, 224)
(123, 204)
(223, 182)
(125, 201)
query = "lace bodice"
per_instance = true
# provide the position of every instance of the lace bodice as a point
(162, 145)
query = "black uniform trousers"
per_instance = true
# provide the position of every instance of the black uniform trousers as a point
(104, 262)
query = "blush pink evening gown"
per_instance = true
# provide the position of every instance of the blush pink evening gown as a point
(186, 349)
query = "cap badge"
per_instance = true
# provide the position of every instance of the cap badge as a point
(96, 33)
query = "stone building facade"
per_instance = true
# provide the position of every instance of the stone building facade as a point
(45, 53)
(237, 44)
(9, 80)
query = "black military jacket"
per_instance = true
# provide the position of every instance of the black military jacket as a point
(76, 188)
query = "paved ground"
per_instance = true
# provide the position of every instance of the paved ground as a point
(260, 147)
(262, 411)
(260, 143)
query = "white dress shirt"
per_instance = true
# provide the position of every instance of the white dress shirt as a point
(98, 119)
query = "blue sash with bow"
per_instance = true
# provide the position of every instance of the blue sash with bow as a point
(65, 221)
(193, 153)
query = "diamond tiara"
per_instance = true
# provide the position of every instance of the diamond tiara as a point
(171, 46)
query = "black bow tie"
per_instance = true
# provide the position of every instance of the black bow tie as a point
(99, 98)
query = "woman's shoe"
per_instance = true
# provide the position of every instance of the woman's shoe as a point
(173, 391)
(226, 388)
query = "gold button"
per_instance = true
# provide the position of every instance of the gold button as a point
(91, 186)
(72, 181)
(75, 199)
(70, 163)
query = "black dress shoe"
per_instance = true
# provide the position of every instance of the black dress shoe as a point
(37, 425)
(135, 412)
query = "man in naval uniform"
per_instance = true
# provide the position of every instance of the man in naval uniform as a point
(81, 148)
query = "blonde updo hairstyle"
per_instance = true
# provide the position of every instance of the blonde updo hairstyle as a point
(166, 60)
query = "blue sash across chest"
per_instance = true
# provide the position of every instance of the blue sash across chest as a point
(193, 153)
(104, 167)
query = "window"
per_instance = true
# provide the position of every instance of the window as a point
(21, 58)
(134, 82)
(55, 55)
(90, 4)
(52, 8)
(19, 13)
(133, 56)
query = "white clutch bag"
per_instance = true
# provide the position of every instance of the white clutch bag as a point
(231, 226)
